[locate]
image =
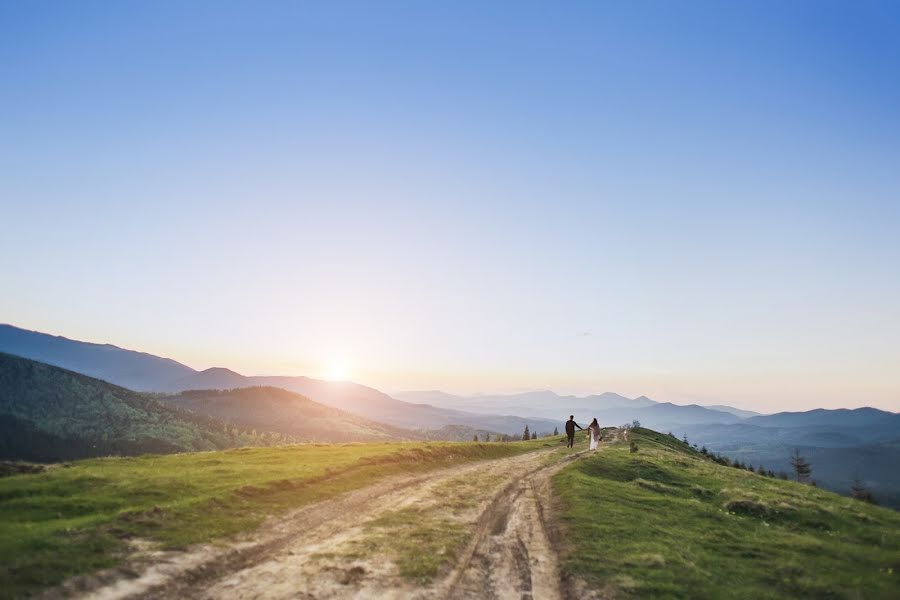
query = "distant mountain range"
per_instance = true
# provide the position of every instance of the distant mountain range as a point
(145, 372)
(845, 443)
(609, 408)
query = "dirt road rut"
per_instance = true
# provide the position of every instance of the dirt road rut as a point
(358, 545)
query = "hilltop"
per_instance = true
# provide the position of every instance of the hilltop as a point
(444, 520)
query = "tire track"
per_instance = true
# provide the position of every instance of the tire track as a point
(511, 552)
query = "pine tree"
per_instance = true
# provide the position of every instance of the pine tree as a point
(860, 491)
(475, 438)
(555, 431)
(534, 435)
(527, 435)
(802, 469)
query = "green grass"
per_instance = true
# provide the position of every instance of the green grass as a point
(665, 522)
(422, 538)
(76, 518)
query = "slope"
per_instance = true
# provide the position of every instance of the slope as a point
(64, 522)
(666, 521)
(288, 413)
(145, 372)
(367, 402)
(50, 414)
(133, 370)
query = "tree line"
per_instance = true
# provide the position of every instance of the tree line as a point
(800, 467)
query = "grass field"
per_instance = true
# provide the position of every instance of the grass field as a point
(665, 522)
(76, 517)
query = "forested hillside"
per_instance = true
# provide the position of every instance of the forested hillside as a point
(287, 413)
(50, 414)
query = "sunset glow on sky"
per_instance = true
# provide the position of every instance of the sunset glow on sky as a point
(689, 203)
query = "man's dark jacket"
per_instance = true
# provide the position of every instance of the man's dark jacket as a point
(570, 427)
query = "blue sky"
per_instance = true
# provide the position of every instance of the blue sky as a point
(694, 201)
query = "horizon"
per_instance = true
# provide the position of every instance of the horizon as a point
(696, 203)
(462, 395)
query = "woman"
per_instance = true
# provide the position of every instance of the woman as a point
(594, 432)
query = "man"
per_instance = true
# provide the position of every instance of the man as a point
(570, 431)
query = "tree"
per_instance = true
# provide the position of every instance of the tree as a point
(527, 435)
(475, 438)
(555, 431)
(685, 440)
(802, 469)
(487, 437)
(860, 492)
(635, 424)
(704, 451)
(534, 435)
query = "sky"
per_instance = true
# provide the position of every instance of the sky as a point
(696, 201)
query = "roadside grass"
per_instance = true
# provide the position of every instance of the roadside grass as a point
(665, 522)
(423, 538)
(418, 540)
(77, 518)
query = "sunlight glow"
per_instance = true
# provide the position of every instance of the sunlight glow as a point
(337, 371)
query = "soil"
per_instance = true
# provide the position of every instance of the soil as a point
(511, 550)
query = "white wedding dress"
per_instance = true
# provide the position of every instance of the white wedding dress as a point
(595, 437)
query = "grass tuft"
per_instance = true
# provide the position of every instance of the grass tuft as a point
(668, 522)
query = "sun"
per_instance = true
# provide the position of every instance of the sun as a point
(337, 371)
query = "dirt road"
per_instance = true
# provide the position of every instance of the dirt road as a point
(397, 539)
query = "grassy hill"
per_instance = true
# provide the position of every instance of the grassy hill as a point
(666, 521)
(50, 414)
(77, 518)
(288, 413)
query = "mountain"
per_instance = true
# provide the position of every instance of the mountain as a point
(133, 370)
(368, 402)
(146, 372)
(738, 412)
(842, 417)
(542, 403)
(51, 414)
(288, 413)
(609, 408)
